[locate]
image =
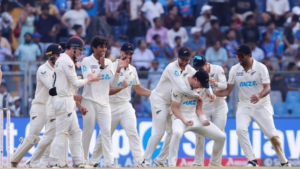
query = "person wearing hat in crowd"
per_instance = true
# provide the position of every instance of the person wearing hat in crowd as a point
(203, 21)
(16, 107)
(64, 84)
(38, 105)
(96, 97)
(217, 110)
(160, 100)
(253, 81)
(122, 111)
(197, 43)
(188, 115)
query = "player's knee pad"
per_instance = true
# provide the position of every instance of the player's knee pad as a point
(24, 147)
(276, 143)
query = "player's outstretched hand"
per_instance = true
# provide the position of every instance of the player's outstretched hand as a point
(254, 98)
(77, 98)
(93, 77)
(125, 83)
(83, 110)
(211, 97)
(206, 123)
(213, 82)
(189, 123)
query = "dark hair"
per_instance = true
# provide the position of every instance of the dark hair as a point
(214, 21)
(269, 23)
(73, 3)
(231, 21)
(155, 36)
(101, 13)
(170, 8)
(230, 31)
(177, 37)
(249, 17)
(140, 41)
(99, 41)
(264, 34)
(154, 19)
(28, 33)
(174, 22)
(291, 65)
(295, 18)
(215, 41)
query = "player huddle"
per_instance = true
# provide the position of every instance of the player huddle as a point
(185, 99)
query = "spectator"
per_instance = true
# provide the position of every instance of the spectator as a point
(177, 31)
(295, 11)
(44, 24)
(240, 9)
(277, 11)
(139, 107)
(231, 43)
(152, 9)
(76, 15)
(198, 43)
(160, 50)
(178, 45)
(250, 31)
(61, 6)
(90, 6)
(220, 10)
(154, 75)
(3, 42)
(292, 80)
(5, 55)
(52, 9)
(271, 29)
(16, 107)
(108, 55)
(5, 96)
(291, 47)
(6, 25)
(100, 27)
(157, 29)
(26, 22)
(134, 9)
(214, 34)
(234, 26)
(269, 46)
(172, 16)
(216, 54)
(0, 75)
(78, 30)
(203, 21)
(112, 12)
(28, 52)
(186, 10)
(257, 53)
(36, 38)
(142, 56)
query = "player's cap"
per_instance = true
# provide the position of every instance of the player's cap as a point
(202, 77)
(53, 49)
(127, 48)
(75, 42)
(184, 53)
(198, 61)
(243, 49)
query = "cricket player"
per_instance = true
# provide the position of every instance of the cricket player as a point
(186, 117)
(96, 97)
(216, 110)
(121, 108)
(252, 78)
(38, 107)
(64, 104)
(161, 100)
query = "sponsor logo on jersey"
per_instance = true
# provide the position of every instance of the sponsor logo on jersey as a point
(43, 73)
(121, 74)
(120, 84)
(56, 64)
(84, 69)
(94, 67)
(175, 95)
(130, 83)
(33, 117)
(185, 74)
(69, 114)
(190, 103)
(253, 73)
(212, 86)
(248, 84)
(176, 73)
(157, 112)
(212, 75)
(105, 77)
(239, 73)
(70, 66)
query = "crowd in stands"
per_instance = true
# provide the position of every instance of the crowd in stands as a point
(158, 28)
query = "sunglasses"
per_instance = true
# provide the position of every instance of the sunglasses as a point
(240, 56)
(198, 57)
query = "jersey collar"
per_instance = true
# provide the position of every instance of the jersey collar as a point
(252, 68)
(49, 66)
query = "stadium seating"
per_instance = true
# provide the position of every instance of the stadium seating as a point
(280, 109)
(291, 98)
(275, 96)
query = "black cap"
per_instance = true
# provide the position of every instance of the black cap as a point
(243, 49)
(198, 61)
(127, 47)
(184, 53)
(75, 42)
(53, 49)
(45, 7)
(202, 77)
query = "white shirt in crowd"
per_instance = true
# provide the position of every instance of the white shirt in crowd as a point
(172, 77)
(44, 82)
(152, 10)
(135, 6)
(258, 54)
(207, 26)
(124, 96)
(172, 35)
(278, 6)
(97, 92)
(296, 27)
(66, 77)
(250, 83)
(144, 59)
(76, 17)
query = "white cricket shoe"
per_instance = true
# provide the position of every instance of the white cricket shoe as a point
(143, 164)
(287, 164)
(197, 165)
(160, 163)
(252, 163)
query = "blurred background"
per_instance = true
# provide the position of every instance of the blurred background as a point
(157, 28)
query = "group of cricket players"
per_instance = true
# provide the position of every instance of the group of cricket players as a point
(186, 98)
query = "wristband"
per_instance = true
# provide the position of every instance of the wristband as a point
(209, 91)
(202, 118)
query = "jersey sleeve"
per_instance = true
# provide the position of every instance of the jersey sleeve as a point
(176, 95)
(231, 79)
(178, 82)
(85, 67)
(264, 76)
(222, 84)
(45, 79)
(69, 69)
(136, 80)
